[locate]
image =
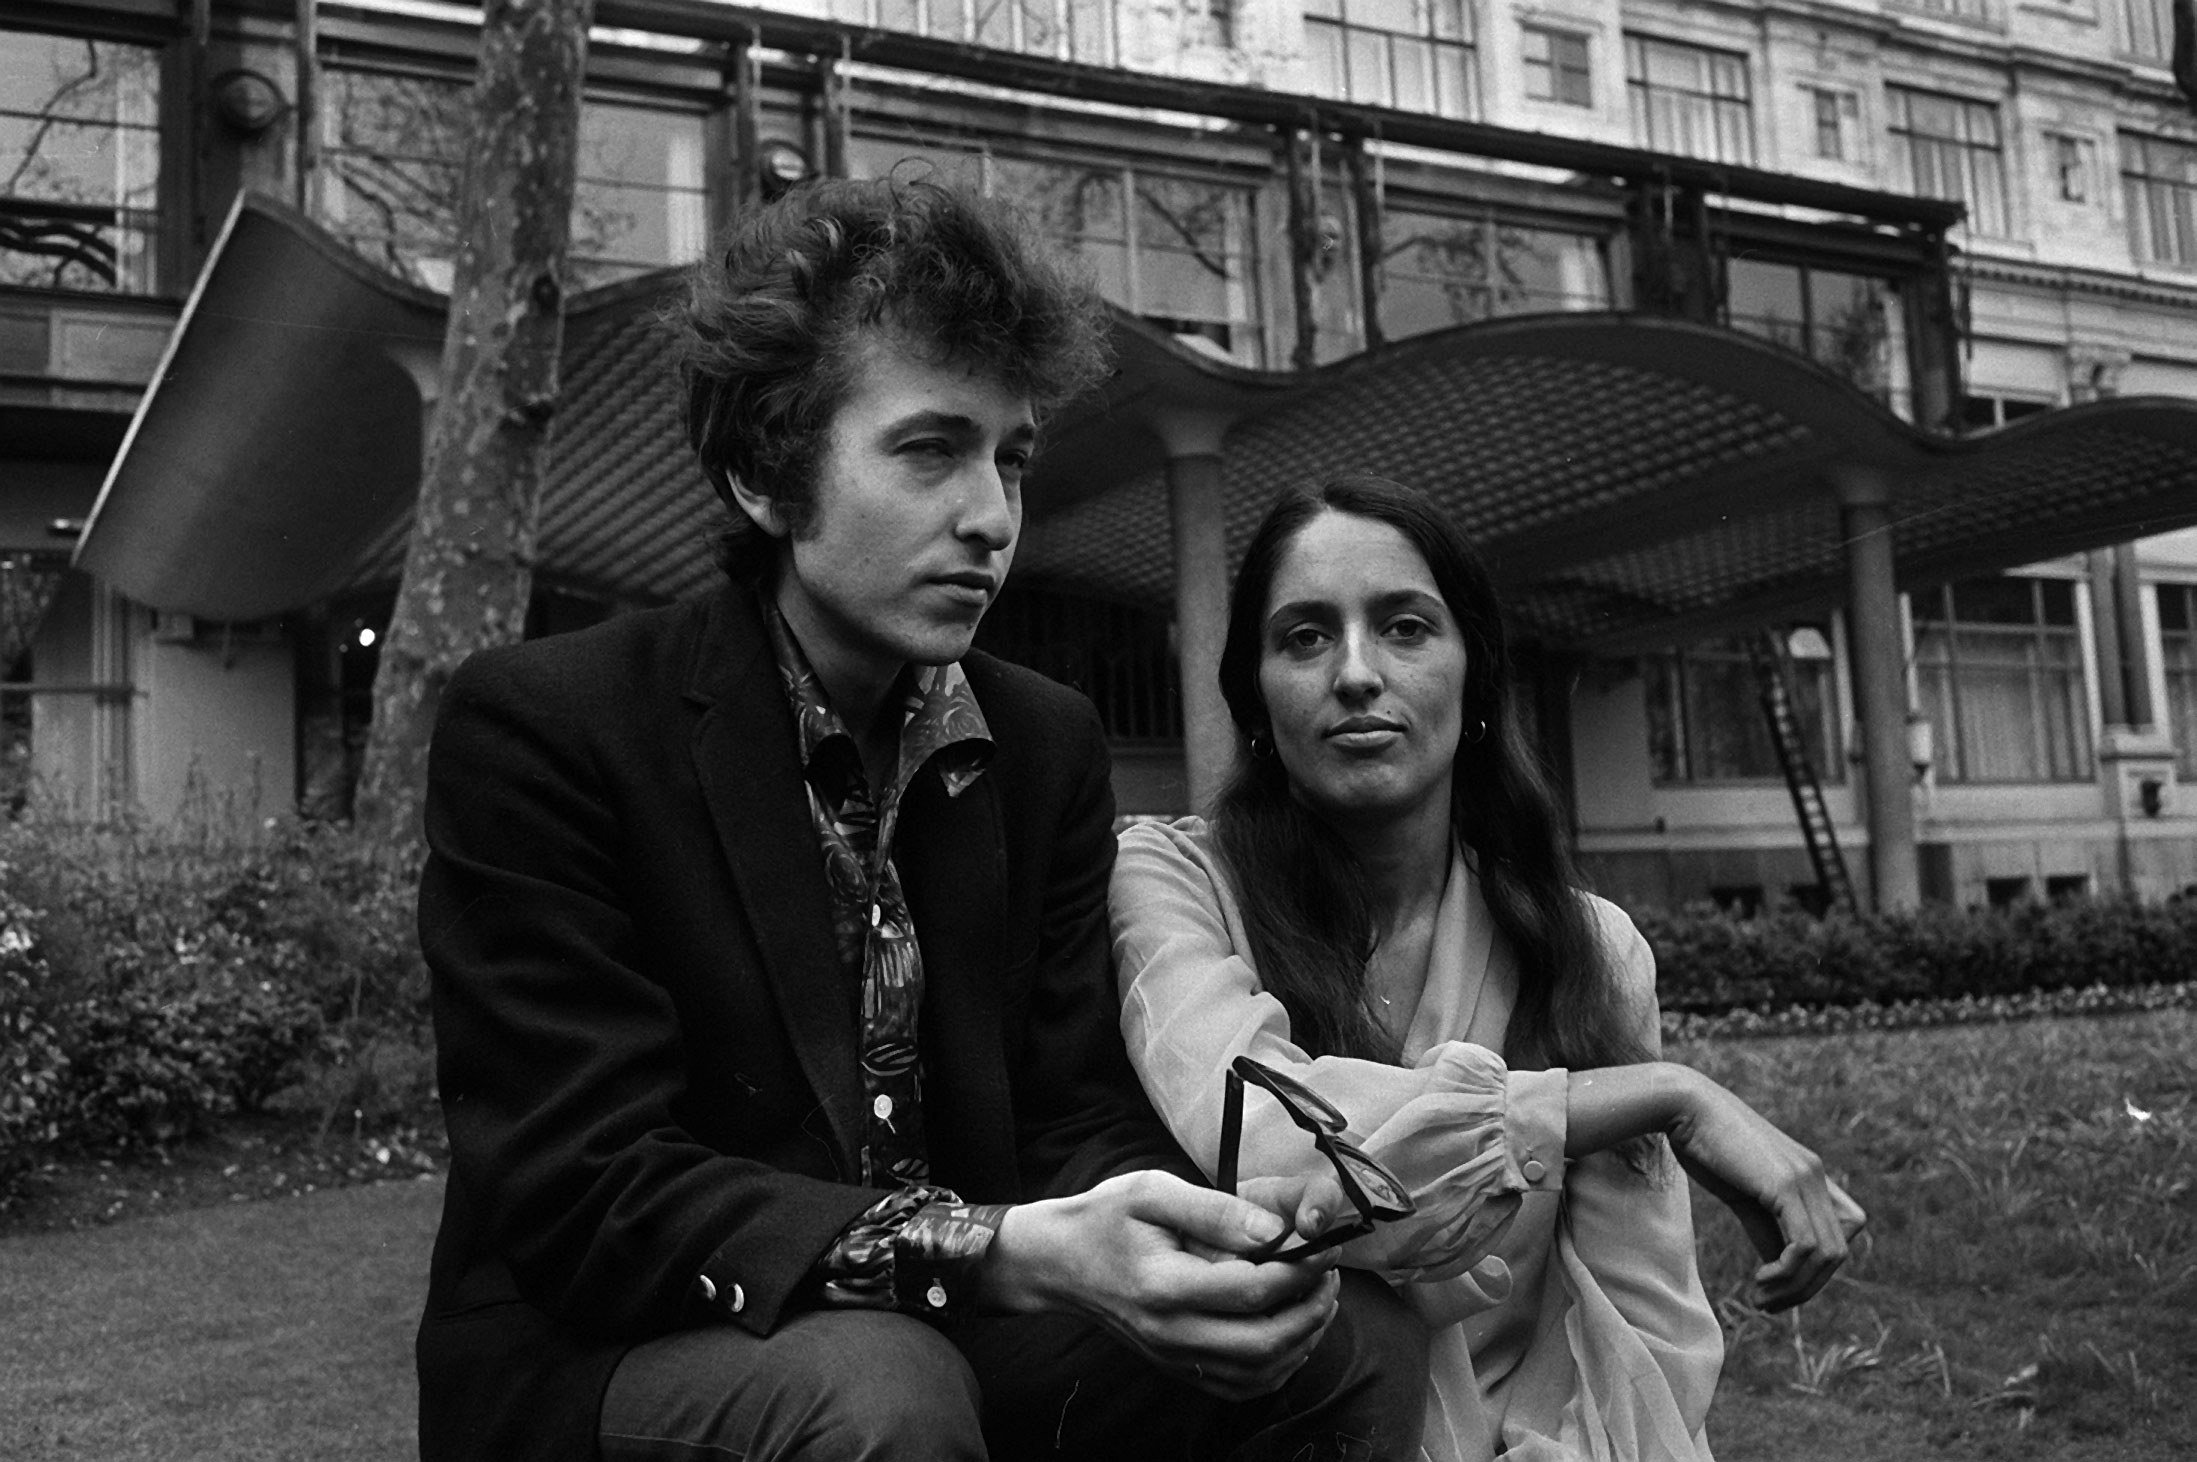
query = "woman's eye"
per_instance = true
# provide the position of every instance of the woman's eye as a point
(1409, 629)
(1303, 637)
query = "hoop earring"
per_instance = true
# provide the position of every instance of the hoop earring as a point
(1476, 732)
(1262, 746)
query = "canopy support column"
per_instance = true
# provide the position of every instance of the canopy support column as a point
(1197, 518)
(1880, 686)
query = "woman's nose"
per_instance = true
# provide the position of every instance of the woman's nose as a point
(1357, 669)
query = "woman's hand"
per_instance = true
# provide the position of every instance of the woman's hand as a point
(1798, 1219)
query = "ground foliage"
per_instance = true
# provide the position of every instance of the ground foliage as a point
(2028, 1284)
(156, 982)
(1710, 962)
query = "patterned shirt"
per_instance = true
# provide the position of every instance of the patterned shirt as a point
(918, 1249)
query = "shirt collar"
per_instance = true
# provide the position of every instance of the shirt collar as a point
(940, 715)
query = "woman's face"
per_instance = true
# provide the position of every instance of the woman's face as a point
(1362, 668)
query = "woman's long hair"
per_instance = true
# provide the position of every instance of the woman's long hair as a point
(1306, 902)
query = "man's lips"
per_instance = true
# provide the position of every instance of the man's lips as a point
(973, 581)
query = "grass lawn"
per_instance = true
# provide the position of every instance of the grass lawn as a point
(2028, 1288)
(2028, 1291)
(276, 1329)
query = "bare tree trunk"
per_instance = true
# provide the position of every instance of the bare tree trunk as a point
(469, 566)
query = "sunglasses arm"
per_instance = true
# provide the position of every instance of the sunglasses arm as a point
(1231, 1133)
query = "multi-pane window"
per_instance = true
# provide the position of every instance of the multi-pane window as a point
(1999, 670)
(1557, 66)
(1958, 9)
(1439, 270)
(1177, 250)
(1949, 147)
(1839, 320)
(394, 146)
(1689, 99)
(1117, 655)
(1070, 30)
(79, 163)
(1836, 116)
(1706, 721)
(2159, 184)
(1416, 55)
(2147, 28)
(2178, 651)
(1989, 413)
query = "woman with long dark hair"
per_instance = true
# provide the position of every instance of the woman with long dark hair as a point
(1383, 916)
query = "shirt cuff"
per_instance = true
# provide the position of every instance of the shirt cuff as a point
(916, 1251)
(1534, 1127)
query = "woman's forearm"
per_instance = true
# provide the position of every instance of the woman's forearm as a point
(1610, 1105)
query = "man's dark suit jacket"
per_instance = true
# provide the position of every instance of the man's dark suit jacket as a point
(647, 1048)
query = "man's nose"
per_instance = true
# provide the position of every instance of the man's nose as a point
(989, 509)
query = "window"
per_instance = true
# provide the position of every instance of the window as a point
(1439, 270)
(1837, 116)
(79, 163)
(1416, 55)
(2178, 654)
(1072, 30)
(1690, 100)
(1116, 655)
(394, 143)
(1949, 147)
(1954, 9)
(2159, 184)
(1999, 668)
(2074, 165)
(1838, 320)
(1706, 722)
(1989, 413)
(2147, 28)
(1556, 66)
(1178, 251)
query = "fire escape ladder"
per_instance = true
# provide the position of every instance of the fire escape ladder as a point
(1769, 656)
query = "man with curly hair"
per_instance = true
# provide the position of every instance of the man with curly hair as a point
(788, 1111)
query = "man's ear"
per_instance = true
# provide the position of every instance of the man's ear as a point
(762, 509)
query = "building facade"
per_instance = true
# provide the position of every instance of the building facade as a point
(1735, 165)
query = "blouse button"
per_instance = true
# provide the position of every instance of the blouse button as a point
(1533, 1170)
(936, 1295)
(737, 1300)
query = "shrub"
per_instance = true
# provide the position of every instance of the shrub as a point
(1709, 961)
(152, 981)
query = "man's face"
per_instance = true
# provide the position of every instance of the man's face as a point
(918, 502)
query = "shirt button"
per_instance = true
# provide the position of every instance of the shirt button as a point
(737, 1300)
(883, 1106)
(708, 1288)
(877, 915)
(936, 1295)
(1533, 1170)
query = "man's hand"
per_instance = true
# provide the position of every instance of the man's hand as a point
(1153, 1259)
(1798, 1219)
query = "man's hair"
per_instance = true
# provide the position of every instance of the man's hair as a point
(771, 335)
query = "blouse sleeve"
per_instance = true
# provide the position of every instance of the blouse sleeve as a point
(1459, 1129)
(1630, 1239)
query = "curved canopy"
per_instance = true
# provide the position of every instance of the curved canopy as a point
(1634, 480)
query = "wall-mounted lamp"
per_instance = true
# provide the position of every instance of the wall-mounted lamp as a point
(247, 101)
(1922, 743)
(780, 165)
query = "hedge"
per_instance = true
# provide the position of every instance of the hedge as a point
(1710, 962)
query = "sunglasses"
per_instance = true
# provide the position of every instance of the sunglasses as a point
(1372, 1189)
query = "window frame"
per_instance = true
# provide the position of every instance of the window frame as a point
(2052, 661)
(1643, 92)
(1680, 678)
(2178, 669)
(117, 236)
(1449, 51)
(1960, 147)
(2158, 204)
(1553, 64)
